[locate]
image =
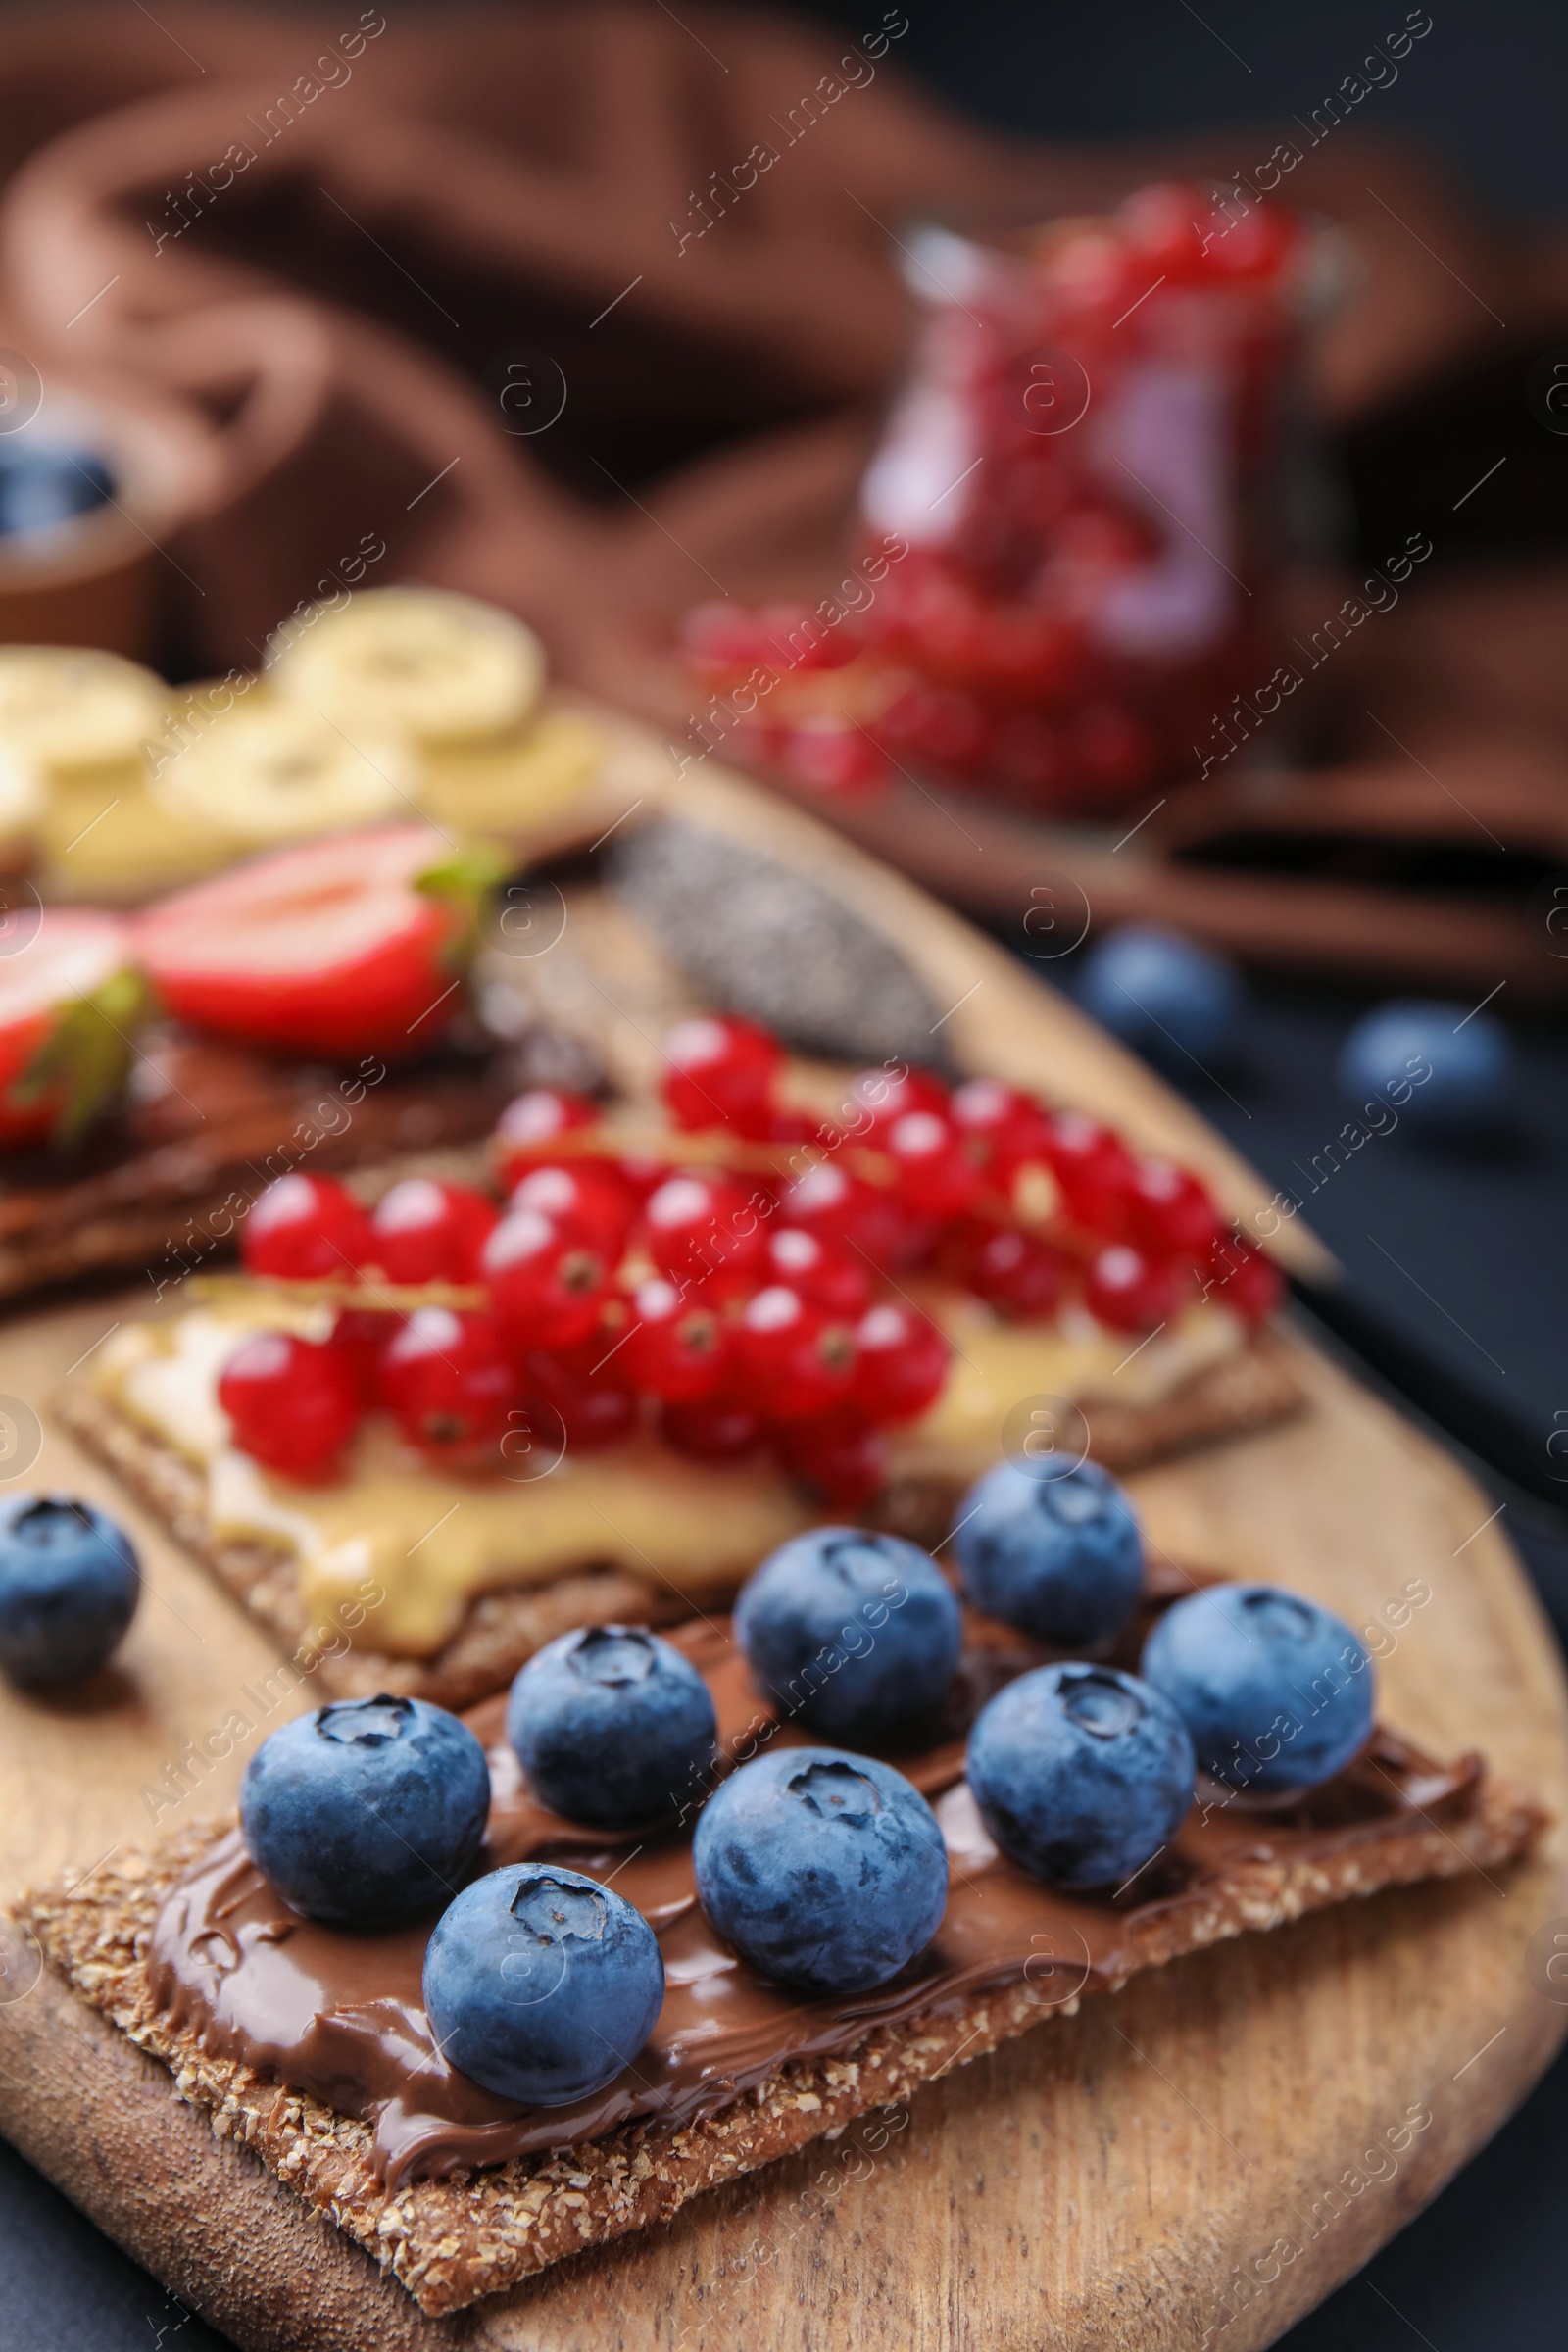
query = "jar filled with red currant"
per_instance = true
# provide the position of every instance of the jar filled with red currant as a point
(1072, 538)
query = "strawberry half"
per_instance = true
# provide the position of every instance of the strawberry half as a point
(67, 1006)
(352, 945)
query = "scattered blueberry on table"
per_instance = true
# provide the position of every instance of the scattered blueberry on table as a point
(1162, 993)
(69, 1586)
(1276, 1691)
(850, 1631)
(1441, 1066)
(44, 484)
(370, 1809)
(1081, 1773)
(1052, 1546)
(613, 1726)
(540, 1985)
(823, 1870)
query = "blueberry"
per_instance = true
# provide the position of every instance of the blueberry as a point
(613, 1726)
(369, 1809)
(1160, 992)
(1276, 1691)
(1081, 1773)
(1438, 1066)
(68, 1581)
(1052, 1546)
(43, 485)
(540, 1985)
(849, 1630)
(823, 1870)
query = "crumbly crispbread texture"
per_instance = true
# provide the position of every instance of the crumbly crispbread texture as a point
(449, 2241)
(501, 1629)
(1247, 1390)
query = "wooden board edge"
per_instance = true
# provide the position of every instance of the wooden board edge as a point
(233, 2244)
(203, 2214)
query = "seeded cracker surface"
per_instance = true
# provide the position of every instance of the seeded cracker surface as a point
(504, 1628)
(449, 2241)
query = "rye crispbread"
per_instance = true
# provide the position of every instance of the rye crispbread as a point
(451, 2242)
(501, 1629)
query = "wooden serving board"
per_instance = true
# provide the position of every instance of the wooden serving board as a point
(1197, 2160)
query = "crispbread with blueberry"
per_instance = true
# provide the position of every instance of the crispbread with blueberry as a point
(610, 2015)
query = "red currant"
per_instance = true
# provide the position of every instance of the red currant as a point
(1242, 1279)
(828, 1276)
(1110, 749)
(306, 1229)
(546, 1286)
(586, 1197)
(713, 1429)
(726, 636)
(1128, 1291)
(794, 1361)
(643, 1177)
(792, 632)
(937, 723)
(1169, 1214)
(360, 1333)
(833, 754)
(1014, 1128)
(1162, 224)
(791, 1127)
(1094, 1169)
(841, 1458)
(532, 1124)
(676, 1349)
(841, 1209)
(428, 1232)
(591, 1395)
(1258, 244)
(901, 1364)
(292, 1402)
(707, 1229)
(721, 1072)
(878, 1096)
(936, 1175)
(450, 1384)
(1016, 1273)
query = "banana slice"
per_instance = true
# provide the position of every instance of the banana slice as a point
(67, 706)
(22, 795)
(275, 771)
(448, 668)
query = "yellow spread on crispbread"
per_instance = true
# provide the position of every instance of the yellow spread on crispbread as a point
(431, 1541)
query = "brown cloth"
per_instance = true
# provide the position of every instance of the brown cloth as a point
(495, 287)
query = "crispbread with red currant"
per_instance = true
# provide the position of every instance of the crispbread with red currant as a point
(670, 1334)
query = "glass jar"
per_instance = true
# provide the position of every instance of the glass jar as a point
(1073, 533)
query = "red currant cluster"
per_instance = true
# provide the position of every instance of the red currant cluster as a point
(728, 1277)
(1042, 627)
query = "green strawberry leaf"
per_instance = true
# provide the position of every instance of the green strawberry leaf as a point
(467, 880)
(88, 1053)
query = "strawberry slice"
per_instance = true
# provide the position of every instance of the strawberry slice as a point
(67, 1005)
(352, 945)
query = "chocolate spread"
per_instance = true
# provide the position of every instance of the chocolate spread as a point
(339, 2014)
(168, 1183)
